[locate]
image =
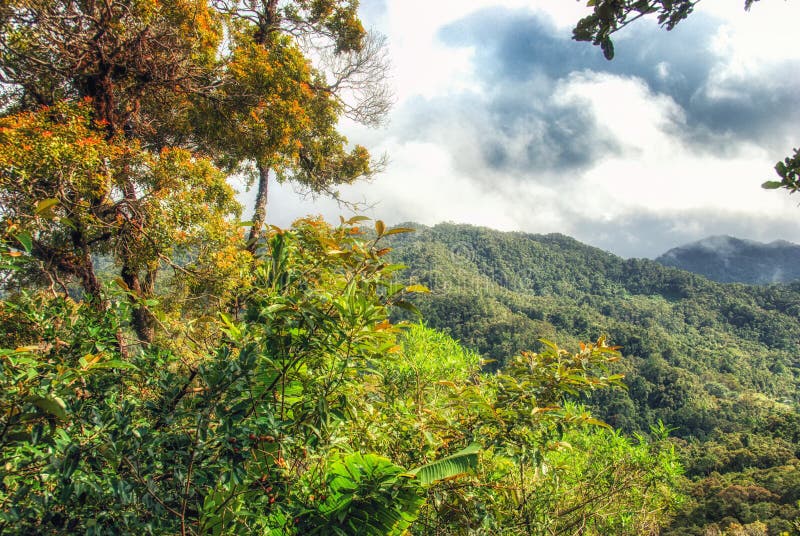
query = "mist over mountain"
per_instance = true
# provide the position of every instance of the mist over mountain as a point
(727, 259)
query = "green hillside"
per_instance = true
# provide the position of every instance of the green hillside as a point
(716, 362)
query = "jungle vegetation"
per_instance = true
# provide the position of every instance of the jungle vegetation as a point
(167, 368)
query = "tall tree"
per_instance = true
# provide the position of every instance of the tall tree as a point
(156, 101)
(125, 60)
(292, 132)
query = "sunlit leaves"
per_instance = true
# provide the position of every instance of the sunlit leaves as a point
(272, 108)
(609, 16)
(63, 184)
(449, 467)
(58, 152)
(366, 494)
(789, 172)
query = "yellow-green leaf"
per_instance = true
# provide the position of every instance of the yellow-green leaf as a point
(398, 230)
(356, 219)
(418, 288)
(45, 205)
(52, 405)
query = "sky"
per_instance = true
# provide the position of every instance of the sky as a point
(501, 120)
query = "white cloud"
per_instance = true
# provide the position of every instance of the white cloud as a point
(656, 171)
(655, 177)
(425, 67)
(767, 31)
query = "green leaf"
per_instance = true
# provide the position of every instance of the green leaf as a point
(356, 219)
(394, 267)
(410, 307)
(68, 222)
(233, 331)
(608, 48)
(454, 465)
(113, 364)
(24, 238)
(772, 185)
(51, 404)
(597, 422)
(44, 207)
(380, 228)
(398, 230)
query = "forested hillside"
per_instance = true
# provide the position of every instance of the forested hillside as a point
(717, 363)
(728, 259)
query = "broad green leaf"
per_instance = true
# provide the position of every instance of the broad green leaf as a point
(43, 207)
(398, 230)
(51, 404)
(356, 219)
(113, 364)
(24, 238)
(275, 307)
(454, 465)
(410, 307)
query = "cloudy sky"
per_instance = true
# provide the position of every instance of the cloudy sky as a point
(502, 120)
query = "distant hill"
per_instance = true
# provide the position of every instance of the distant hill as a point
(727, 259)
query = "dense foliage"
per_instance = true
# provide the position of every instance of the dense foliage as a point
(717, 363)
(121, 121)
(303, 410)
(165, 371)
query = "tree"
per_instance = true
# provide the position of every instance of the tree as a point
(292, 131)
(126, 62)
(610, 16)
(122, 119)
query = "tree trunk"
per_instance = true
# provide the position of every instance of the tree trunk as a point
(260, 211)
(142, 319)
(91, 285)
(79, 264)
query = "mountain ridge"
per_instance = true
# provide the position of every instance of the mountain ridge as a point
(728, 259)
